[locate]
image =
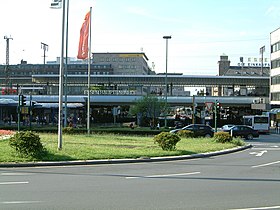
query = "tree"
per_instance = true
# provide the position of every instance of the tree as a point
(147, 109)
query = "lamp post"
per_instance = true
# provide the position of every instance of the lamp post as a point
(61, 74)
(165, 108)
(262, 50)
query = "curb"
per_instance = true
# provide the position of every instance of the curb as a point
(119, 161)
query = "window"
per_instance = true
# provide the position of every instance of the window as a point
(275, 63)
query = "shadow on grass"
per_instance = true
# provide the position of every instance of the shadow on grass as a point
(49, 156)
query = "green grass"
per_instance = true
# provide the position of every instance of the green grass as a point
(108, 146)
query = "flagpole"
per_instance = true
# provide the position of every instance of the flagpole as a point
(66, 68)
(89, 62)
(60, 100)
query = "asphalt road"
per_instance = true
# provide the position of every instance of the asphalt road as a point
(248, 179)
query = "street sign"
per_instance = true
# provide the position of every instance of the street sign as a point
(209, 106)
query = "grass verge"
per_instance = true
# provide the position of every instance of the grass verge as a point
(109, 146)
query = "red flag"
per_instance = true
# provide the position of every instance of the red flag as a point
(84, 33)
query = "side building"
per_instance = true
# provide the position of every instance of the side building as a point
(275, 67)
(252, 67)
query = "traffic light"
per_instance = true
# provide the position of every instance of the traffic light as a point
(218, 105)
(22, 100)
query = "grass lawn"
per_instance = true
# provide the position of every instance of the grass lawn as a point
(108, 146)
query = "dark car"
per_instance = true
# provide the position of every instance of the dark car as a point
(243, 131)
(198, 130)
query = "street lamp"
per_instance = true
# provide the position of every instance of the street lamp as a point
(165, 109)
(61, 74)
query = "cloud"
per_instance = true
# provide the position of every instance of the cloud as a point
(273, 11)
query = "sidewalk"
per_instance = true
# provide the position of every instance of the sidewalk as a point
(273, 130)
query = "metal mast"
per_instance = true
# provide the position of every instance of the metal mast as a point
(45, 47)
(7, 72)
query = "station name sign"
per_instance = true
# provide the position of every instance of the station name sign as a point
(110, 92)
(255, 62)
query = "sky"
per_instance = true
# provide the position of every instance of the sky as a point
(201, 30)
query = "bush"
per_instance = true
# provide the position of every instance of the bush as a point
(68, 130)
(166, 140)
(238, 142)
(27, 143)
(222, 137)
(185, 133)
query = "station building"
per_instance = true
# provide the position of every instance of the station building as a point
(119, 79)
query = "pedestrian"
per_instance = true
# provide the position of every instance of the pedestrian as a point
(158, 126)
(277, 127)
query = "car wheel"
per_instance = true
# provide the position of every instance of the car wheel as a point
(249, 137)
(207, 135)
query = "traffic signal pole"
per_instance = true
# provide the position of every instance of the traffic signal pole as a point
(215, 110)
(18, 110)
(21, 103)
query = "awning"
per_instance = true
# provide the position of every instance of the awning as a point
(8, 101)
(274, 111)
(55, 105)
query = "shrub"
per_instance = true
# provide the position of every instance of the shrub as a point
(222, 137)
(166, 140)
(238, 142)
(185, 133)
(68, 130)
(27, 143)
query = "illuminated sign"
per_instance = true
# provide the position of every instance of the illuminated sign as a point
(110, 92)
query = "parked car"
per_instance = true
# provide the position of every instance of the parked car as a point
(198, 130)
(244, 131)
(227, 127)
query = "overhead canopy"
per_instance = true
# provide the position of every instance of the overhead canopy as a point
(274, 111)
(55, 105)
(8, 101)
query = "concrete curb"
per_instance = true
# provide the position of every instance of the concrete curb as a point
(119, 161)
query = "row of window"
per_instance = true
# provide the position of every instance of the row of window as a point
(275, 64)
(275, 47)
(127, 67)
(275, 80)
(72, 73)
(275, 96)
(53, 66)
(114, 59)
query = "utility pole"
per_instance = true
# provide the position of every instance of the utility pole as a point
(45, 47)
(262, 49)
(7, 72)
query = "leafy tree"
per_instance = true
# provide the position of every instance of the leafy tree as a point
(147, 109)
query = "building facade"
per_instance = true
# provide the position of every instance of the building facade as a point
(275, 67)
(125, 63)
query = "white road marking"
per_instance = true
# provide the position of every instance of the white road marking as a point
(10, 183)
(161, 175)
(259, 208)
(258, 154)
(20, 202)
(266, 148)
(266, 164)
(14, 174)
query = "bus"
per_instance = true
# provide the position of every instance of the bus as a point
(257, 122)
